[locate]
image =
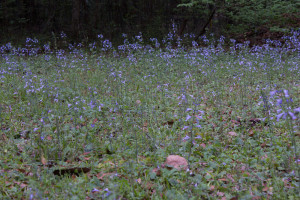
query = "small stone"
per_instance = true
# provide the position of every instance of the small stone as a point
(232, 133)
(177, 162)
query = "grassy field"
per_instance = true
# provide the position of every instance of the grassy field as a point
(97, 122)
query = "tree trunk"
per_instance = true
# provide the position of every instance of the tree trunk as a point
(202, 31)
(182, 27)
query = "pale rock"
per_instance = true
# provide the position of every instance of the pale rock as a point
(177, 162)
(232, 133)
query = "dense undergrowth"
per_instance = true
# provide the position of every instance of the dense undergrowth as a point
(116, 114)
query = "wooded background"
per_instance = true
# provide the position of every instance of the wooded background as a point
(85, 19)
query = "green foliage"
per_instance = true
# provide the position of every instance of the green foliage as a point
(241, 15)
(249, 15)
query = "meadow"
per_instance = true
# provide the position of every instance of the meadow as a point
(94, 121)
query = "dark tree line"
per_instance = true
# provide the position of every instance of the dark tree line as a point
(84, 19)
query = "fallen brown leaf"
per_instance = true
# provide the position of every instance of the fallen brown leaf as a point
(157, 171)
(101, 176)
(43, 160)
(202, 145)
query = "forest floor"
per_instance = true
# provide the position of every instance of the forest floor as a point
(98, 123)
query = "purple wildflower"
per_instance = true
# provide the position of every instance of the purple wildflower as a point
(297, 110)
(286, 93)
(95, 190)
(188, 117)
(292, 115)
(108, 192)
(272, 93)
(186, 137)
(283, 115)
(279, 102)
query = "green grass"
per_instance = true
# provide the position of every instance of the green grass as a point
(118, 116)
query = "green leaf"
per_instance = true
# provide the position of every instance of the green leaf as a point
(152, 176)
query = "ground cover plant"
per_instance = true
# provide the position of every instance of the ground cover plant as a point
(98, 122)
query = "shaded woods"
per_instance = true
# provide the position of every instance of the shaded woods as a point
(84, 19)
